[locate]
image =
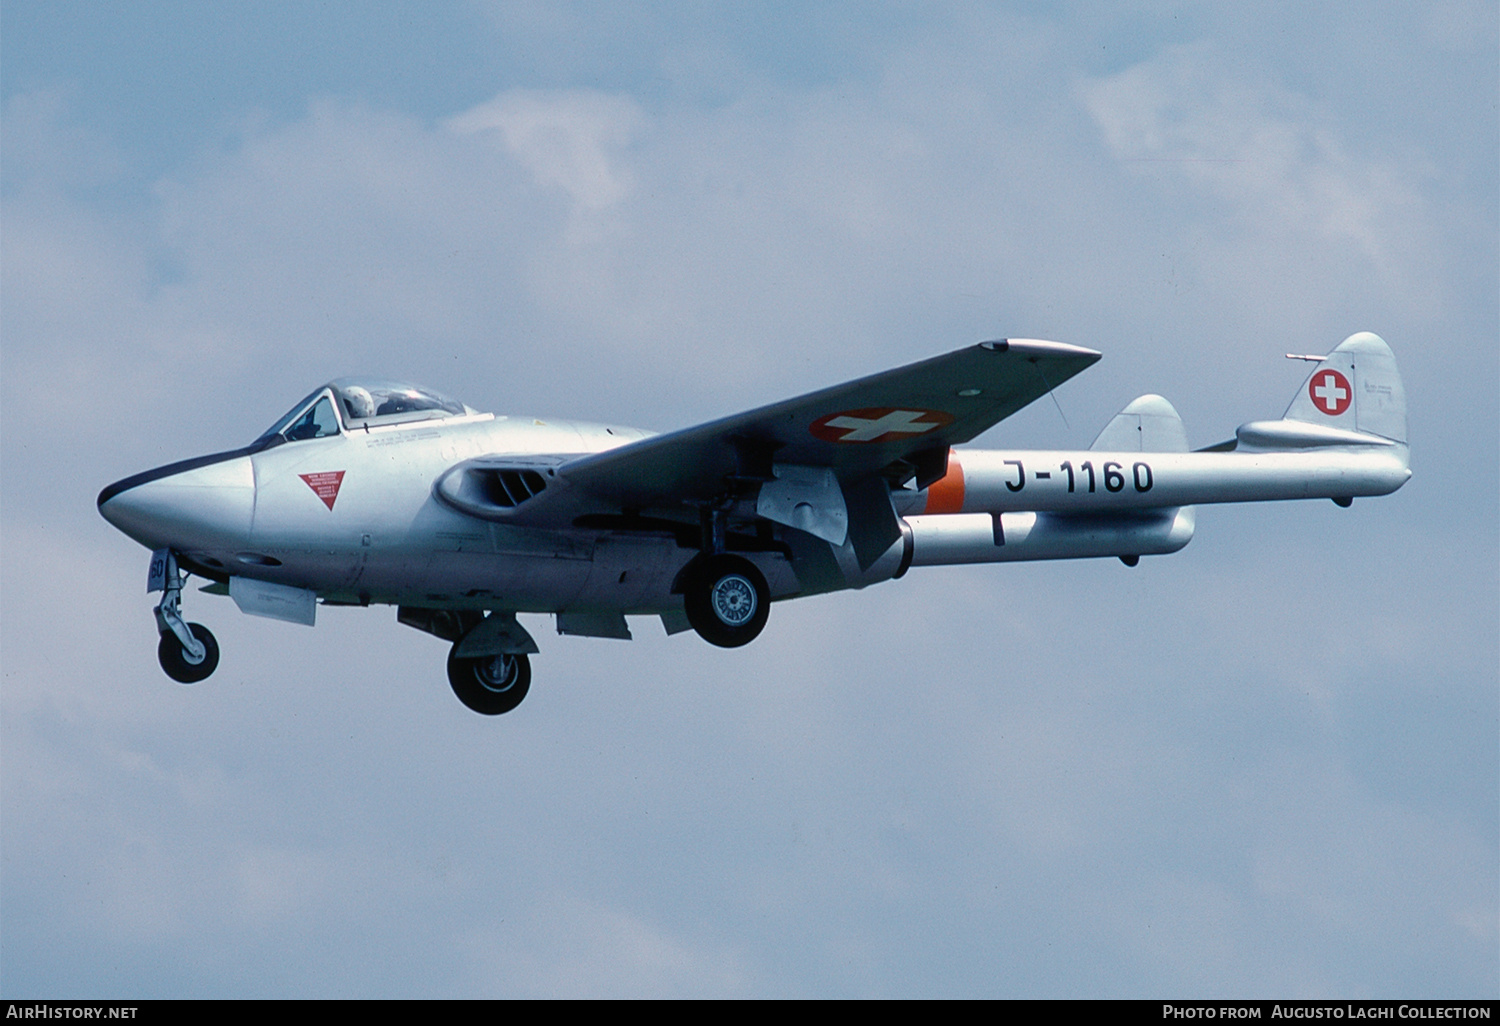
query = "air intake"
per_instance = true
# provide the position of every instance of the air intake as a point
(498, 487)
(509, 488)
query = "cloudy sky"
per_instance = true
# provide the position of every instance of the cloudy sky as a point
(1264, 766)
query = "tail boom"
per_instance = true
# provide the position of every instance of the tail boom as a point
(1091, 481)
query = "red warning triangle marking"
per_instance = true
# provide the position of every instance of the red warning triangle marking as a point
(325, 485)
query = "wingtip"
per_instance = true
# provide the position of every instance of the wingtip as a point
(1039, 347)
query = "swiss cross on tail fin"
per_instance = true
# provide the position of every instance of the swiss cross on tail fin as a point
(1330, 392)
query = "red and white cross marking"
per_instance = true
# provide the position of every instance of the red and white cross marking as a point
(1330, 392)
(881, 424)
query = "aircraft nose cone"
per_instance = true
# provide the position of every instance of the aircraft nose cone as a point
(190, 505)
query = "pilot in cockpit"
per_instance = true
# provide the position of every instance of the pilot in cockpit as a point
(358, 403)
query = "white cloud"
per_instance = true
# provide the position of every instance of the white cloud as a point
(1186, 117)
(569, 139)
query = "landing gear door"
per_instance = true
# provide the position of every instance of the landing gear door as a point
(156, 576)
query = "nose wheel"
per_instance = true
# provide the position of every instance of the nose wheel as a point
(180, 664)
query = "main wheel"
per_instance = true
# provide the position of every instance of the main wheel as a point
(179, 665)
(726, 600)
(490, 685)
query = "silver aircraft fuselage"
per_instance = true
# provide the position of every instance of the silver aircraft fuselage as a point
(379, 533)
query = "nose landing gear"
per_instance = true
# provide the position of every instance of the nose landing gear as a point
(188, 652)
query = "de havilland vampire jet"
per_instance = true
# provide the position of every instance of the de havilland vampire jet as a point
(374, 491)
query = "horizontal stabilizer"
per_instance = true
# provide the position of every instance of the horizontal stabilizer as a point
(1148, 424)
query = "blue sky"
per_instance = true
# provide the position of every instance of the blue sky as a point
(1267, 765)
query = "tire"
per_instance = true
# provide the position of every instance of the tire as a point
(490, 685)
(175, 661)
(727, 600)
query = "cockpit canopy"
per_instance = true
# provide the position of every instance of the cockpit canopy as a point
(350, 403)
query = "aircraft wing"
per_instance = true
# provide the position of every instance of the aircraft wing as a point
(829, 457)
(897, 423)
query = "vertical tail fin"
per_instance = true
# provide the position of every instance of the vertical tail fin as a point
(1356, 388)
(1148, 424)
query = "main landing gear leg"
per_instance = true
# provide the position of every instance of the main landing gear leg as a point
(187, 652)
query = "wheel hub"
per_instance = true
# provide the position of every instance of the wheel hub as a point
(496, 673)
(733, 600)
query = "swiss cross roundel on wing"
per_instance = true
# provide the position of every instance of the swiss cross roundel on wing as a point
(878, 424)
(1330, 392)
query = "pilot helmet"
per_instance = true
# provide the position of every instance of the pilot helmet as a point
(359, 402)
